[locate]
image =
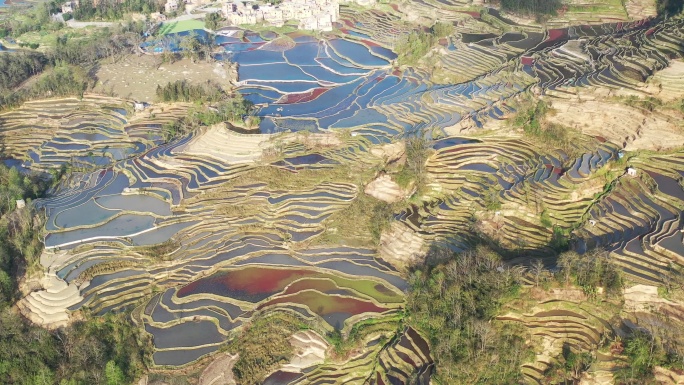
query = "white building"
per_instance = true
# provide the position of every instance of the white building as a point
(311, 14)
(171, 6)
(69, 6)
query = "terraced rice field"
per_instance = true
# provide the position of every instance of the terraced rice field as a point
(349, 82)
(576, 325)
(121, 230)
(198, 236)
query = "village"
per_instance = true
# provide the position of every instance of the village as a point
(315, 15)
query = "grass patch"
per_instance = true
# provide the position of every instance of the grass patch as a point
(414, 171)
(532, 120)
(161, 251)
(280, 179)
(180, 26)
(360, 331)
(362, 222)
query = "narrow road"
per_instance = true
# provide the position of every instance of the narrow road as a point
(82, 24)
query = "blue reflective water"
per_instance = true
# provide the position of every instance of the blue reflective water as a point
(272, 71)
(357, 53)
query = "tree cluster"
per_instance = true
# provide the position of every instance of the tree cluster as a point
(38, 19)
(442, 29)
(213, 20)
(63, 66)
(214, 106)
(532, 120)
(415, 170)
(532, 7)
(62, 80)
(263, 346)
(413, 47)
(102, 351)
(20, 242)
(115, 10)
(656, 345)
(669, 7)
(453, 304)
(184, 91)
(417, 44)
(18, 67)
(104, 44)
(591, 271)
(569, 366)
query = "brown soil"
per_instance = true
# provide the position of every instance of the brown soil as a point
(219, 371)
(631, 127)
(400, 246)
(385, 189)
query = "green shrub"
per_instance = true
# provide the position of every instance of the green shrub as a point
(442, 29)
(413, 47)
(491, 199)
(545, 219)
(213, 20)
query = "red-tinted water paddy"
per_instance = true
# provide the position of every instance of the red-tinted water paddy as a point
(256, 283)
(325, 304)
(322, 285)
(302, 97)
(251, 284)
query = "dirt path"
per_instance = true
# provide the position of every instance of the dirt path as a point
(83, 24)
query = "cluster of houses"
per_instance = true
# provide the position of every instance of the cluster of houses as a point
(312, 14)
(317, 15)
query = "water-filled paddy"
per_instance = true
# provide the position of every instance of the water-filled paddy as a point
(251, 284)
(87, 214)
(179, 357)
(121, 226)
(334, 309)
(255, 284)
(303, 54)
(357, 53)
(273, 71)
(139, 203)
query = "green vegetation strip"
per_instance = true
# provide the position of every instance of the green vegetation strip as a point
(180, 26)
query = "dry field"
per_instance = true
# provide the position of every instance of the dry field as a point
(136, 77)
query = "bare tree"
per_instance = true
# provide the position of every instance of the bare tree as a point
(566, 262)
(538, 271)
(485, 333)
